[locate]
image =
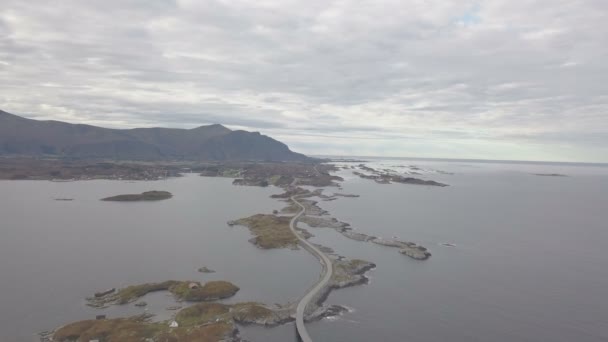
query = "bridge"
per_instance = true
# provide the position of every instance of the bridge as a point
(326, 273)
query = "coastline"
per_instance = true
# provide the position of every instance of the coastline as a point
(351, 272)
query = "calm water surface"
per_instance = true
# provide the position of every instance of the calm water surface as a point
(529, 262)
(53, 254)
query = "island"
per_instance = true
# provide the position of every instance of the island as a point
(203, 322)
(145, 196)
(388, 176)
(191, 291)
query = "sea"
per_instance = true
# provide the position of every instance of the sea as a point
(515, 256)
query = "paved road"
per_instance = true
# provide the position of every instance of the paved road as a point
(326, 275)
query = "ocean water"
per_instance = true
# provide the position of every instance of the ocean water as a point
(529, 262)
(54, 254)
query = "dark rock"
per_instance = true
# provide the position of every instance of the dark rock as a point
(104, 293)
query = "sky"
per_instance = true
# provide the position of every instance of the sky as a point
(496, 79)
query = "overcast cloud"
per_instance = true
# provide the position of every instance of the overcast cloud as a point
(498, 79)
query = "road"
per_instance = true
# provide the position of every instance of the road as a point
(325, 275)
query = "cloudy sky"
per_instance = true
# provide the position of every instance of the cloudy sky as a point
(497, 79)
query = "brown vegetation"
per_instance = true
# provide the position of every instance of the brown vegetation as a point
(182, 290)
(137, 330)
(212, 290)
(110, 330)
(270, 231)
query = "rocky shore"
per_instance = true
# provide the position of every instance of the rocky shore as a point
(277, 174)
(410, 249)
(387, 176)
(346, 273)
(316, 217)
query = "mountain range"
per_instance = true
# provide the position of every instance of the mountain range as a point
(20, 136)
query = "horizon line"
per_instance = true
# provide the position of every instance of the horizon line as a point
(496, 161)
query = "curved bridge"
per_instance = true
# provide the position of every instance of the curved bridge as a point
(325, 275)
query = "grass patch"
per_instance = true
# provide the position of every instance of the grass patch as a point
(291, 208)
(202, 313)
(250, 312)
(135, 330)
(216, 332)
(182, 290)
(134, 292)
(204, 322)
(270, 231)
(231, 173)
(108, 330)
(212, 290)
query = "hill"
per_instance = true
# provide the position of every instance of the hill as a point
(26, 137)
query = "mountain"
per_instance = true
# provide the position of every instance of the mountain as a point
(21, 136)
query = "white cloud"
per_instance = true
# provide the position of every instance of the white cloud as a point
(490, 79)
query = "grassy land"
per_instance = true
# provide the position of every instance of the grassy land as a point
(347, 270)
(250, 312)
(111, 330)
(209, 291)
(291, 208)
(204, 322)
(270, 231)
(136, 330)
(215, 332)
(212, 290)
(202, 313)
(134, 292)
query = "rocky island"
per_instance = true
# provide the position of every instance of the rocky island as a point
(191, 291)
(145, 196)
(139, 328)
(277, 174)
(203, 322)
(207, 321)
(388, 176)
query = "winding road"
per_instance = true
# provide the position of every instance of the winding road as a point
(325, 275)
